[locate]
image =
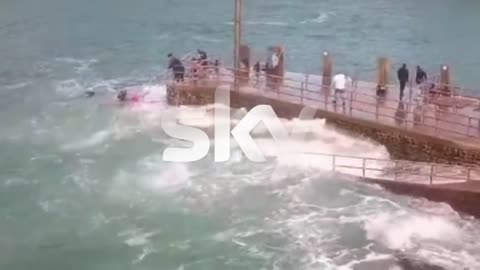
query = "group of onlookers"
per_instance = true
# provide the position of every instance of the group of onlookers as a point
(403, 78)
(198, 66)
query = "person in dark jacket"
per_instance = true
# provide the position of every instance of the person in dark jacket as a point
(177, 67)
(202, 57)
(256, 69)
(421, 75)
(402, 74)
(217, 67)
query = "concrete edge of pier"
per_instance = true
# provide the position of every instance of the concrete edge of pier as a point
(463, 197)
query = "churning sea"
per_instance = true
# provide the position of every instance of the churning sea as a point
(83, 185)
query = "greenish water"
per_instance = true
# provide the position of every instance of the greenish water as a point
(83, 185)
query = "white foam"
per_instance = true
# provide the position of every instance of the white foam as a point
(136, 237)
(49, 206)
(80, 65)
(304, 227)
(93, 140)
(162, 36)
(17, 85)
(72, 60)
(10, 182)
(207, 39)
(145, 252)
(156, 93)
(69, 88)
(372, 256)
(310, 145)
(157, 177)
(404, 232)
(196, 117)
(321, 18)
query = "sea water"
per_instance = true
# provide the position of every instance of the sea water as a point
(83, 184)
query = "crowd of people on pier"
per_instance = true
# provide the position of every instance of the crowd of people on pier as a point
(199, 66)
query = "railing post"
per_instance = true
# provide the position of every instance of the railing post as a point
(395, 171)
(363, 167)
(431, 174)
(306, 82)
(469, 124)
(351, 101)
(301, 93)
(411, 89)
(468, 174)
(423, 114)
(327, 70)
(446, 88)
(278, 88)
(325, 101)
(333, 163)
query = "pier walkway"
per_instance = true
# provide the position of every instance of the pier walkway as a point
(454, 118)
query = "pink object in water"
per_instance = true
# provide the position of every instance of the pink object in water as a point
(135, 98)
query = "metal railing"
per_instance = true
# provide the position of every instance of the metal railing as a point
(374, 168)
(412, 116)
(395, 170)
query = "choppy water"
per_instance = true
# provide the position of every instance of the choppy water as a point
(83, 186)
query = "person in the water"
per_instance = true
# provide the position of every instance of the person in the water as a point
(89, 94)
(123, 96)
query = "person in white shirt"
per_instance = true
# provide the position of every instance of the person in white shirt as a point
(339, 85)
(274, 60)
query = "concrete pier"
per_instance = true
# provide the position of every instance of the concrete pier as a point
(419, 131)
(438, 129)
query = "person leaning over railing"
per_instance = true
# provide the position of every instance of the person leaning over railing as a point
(194, 68)
(177, 67)
(202, 57)
(421, 76)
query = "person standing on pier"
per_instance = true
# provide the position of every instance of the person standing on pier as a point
(256, 69)
(421, 75)
(177, 67)
(422, 85)
(402, 74)
(202, 57)
(195, 66)
(339, 84)
(217, 67)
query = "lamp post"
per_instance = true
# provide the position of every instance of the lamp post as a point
(237, 39)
